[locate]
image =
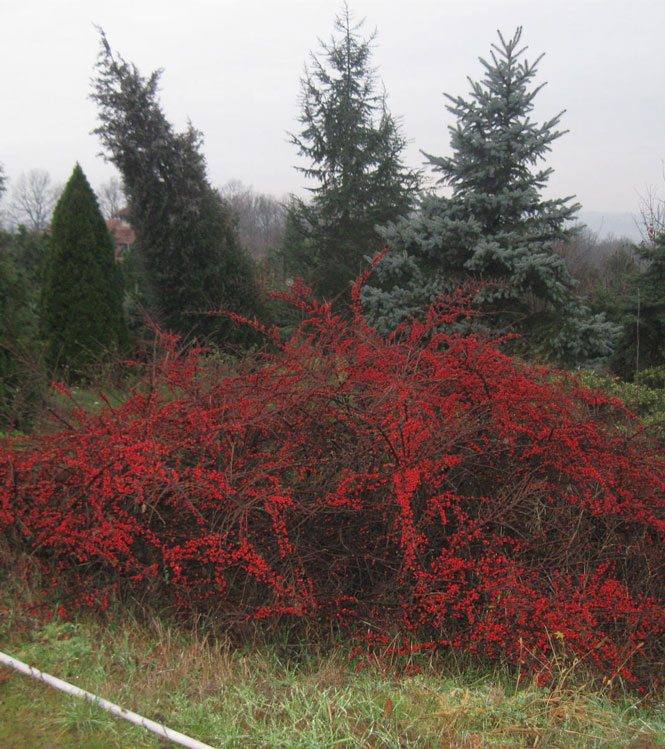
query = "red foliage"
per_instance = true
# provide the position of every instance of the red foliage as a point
(427, 485)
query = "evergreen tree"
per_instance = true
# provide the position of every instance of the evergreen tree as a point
(81, 296)
(15, 317)
(495, 226)
(354, 148)
(19, 377)
(642, 342)
(21, 256)
(187, 254)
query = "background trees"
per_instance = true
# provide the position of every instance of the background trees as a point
(259, 218)
(188, 258)
(111, 197)
(496, 226)
(354, 148)
(642, 313)
(81, 297)
(33, 199)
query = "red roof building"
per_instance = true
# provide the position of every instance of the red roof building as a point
(122, 233)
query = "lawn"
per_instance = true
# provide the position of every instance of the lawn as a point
(284, 694)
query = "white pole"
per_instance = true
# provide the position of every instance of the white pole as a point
(159, 729)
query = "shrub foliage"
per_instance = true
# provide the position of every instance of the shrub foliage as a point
(425, 486)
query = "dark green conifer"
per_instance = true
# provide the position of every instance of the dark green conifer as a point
(354, 147)
(81, 297)
(188, 258)
(642, 310)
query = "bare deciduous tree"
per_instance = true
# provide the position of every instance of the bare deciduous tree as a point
(3, 189)
(260, 218)
(33, 199)
(652, 212)
(596, 262)
(111, 198)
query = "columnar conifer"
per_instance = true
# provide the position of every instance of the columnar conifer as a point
(81, 297)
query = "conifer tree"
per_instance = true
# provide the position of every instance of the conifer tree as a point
(642, 342)
(187, 253)
(495, 226)
(80, 311)
(354, 147)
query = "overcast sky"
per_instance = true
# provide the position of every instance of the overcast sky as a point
(234, 68)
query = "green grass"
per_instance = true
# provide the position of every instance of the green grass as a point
(273, 696)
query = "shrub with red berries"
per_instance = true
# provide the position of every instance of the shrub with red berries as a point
(426, 485)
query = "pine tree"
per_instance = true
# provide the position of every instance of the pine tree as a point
(187, 253)
(81, 297)
(354, 147)
(495, 226)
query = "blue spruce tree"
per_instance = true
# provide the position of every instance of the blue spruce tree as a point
(494, 228)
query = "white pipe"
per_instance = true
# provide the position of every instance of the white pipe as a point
(159, 729)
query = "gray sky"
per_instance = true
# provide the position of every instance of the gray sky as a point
(234, 67)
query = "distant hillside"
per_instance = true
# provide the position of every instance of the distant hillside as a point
(617, 224)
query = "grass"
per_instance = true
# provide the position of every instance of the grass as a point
(277, 696)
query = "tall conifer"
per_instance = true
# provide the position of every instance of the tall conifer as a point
(495, 226)
(188, 257)
(354, 147)
(642, 313)
(81, 296)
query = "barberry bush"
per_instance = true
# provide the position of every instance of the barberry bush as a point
(421, 492)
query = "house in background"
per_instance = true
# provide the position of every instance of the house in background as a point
(122, 233)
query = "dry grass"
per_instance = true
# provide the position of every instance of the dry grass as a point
(254, 696)
(282, 694)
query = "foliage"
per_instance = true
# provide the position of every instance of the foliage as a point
(422, 493)
(495, 226)
(600, 267)
(16, 297)
(18, 327)
(614, 287)
(645, 396)
(29, 248)
(189, 259)
(642, 343)
(23, 381)
(354, 148)
(80, 311)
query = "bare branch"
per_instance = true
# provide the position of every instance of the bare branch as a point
(33, 199)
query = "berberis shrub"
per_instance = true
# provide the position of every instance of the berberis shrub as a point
(424, 491)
